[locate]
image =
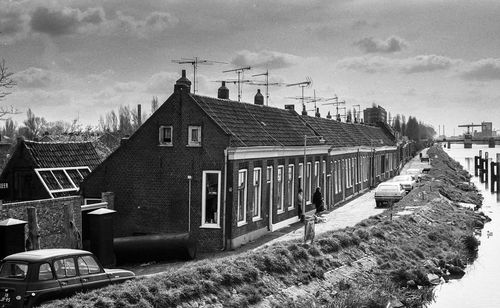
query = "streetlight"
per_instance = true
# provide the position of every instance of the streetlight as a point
(322, 141)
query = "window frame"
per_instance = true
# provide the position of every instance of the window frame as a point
(257, 195)
(308, 181)
(192, 143)
(281, 185)
(245, 197)
(291, 186)
(161, 136)
(65, 170)
(204, 224)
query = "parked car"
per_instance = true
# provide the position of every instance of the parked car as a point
(32, 277)
(388, 193)
(407, 181)
(417, 173)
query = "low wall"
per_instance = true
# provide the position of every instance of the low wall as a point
(53, 217)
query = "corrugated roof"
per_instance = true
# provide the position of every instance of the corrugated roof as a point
(62, 154)
(255, 125)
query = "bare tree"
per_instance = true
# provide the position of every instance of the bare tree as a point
(154, 104)
(6, 83)
(33, 125)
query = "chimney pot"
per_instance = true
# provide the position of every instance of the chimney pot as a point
(183, 83)
(259, 98)
(318, 115)
(223, 91)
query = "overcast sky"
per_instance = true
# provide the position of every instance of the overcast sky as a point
(436, 60)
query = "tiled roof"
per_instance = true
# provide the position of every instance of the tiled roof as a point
(62, 154)
(254, 125)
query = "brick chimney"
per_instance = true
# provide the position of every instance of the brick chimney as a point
(259, 98)
(223, 91)
(304, 111)
(183, 84)
(329, 116)
(318, 115)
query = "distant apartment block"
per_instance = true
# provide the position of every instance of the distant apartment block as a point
(375, 114)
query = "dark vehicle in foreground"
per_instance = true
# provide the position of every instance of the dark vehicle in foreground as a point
(388, 193)
(30, 278)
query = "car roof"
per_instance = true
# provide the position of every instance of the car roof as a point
(388, 184)
(44, 254)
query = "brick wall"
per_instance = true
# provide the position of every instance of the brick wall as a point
(53, 230)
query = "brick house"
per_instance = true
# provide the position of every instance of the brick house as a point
(44, 170)
(228, 172)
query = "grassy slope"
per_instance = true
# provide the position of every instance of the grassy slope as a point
(436, 238)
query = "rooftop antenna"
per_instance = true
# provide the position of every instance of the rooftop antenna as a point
(302, 84)
(359, 113)
(266, 83)
(195, 62)
(336, 103)
(239, 71)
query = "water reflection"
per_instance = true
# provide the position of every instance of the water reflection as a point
(479, 287)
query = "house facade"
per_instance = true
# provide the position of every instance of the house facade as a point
(228, 172)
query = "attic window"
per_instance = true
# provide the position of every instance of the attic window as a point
(165, 135)
(194, 136)
(60, 182)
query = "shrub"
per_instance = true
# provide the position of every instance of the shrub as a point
(471, 244)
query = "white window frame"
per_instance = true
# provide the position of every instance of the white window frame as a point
(316, 174)
(51, 192)
(192, 143)
(161, 136)
(270, 180)
(300, 177)
(281, 183)
(336, 176)
(308, 178)
(257, 195)
(292, 192)
(204, 224)
(323, 171)
(245, 196)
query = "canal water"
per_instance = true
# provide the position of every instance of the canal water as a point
(480, 287)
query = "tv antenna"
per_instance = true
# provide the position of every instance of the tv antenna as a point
(302, 84)
(195, 62)
(266, 83)
(239, 71)
(337, 104)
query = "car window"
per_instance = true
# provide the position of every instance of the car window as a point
(65, 268)
(88, 265)
(45, 272)
(15, 270)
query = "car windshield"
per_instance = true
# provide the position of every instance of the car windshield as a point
(13, 270)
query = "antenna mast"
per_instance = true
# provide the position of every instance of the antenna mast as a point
(302, 84)
(336, 103)
(195, 62)
(266, 83)
(239, 71)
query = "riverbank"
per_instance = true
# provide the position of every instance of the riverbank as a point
(377, 261)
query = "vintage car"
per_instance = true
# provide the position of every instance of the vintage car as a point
(388, 193)
(417, 173)
(29, 278)
(407, 181)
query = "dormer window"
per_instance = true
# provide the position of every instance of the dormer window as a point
(166, 135)
(194, 136)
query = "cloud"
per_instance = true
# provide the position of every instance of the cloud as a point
(372, 45)
(482, 70)
(55, 22)
(266, 58)
(413, 65)
(35, 78)
(162, 82)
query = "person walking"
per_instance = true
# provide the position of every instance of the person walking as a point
(300, 198)
(318, 201)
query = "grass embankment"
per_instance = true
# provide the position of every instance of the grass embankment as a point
(376, 261)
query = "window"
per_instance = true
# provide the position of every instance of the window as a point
(13, 270)
(45, 272)
(211, 187)
(242, 196)
(257, 191)
(4, 185)
(166, 135)
(316, 173)
(300, 177)
(270, 185)
(194, 136)
(291, 186)
(308, 183)
(88, 265)
(60, 182)
(281, 188)
(336, 176)
(323, 171)
(65, 268)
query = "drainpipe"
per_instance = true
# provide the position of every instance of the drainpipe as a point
(189, 203)
(224, 202)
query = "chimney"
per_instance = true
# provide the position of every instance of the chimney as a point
(329, 116)
(139, 115)
(318, 115)
(259, 98)
(183, 84)
(223, 91)
(290, 107)
(338, 118)
(304, 111)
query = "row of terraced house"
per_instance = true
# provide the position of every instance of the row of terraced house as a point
(228, 172)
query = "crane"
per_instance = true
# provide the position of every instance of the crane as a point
(239, 71)
(195, 62)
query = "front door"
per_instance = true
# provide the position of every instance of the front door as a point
(268, 199)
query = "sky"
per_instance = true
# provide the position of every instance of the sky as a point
(437, 61)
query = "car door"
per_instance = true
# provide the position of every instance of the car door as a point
(66, 274)
(92, 275)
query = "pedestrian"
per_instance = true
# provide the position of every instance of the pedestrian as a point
(318, 201)
(300, 198)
